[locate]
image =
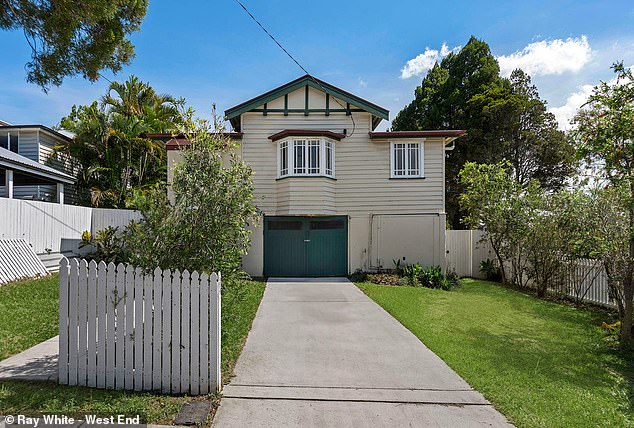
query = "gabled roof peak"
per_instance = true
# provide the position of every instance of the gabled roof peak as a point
(233, 114)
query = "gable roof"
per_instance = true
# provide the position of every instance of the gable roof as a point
(11, 160)
(233, 114)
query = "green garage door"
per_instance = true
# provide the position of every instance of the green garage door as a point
(305, 246)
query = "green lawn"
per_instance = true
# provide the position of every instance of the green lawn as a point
(29, 316)
(540, 363)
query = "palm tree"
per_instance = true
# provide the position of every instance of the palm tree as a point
(114, 159)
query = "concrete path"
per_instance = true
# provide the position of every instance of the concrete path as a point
(36, 363)
(322, 354)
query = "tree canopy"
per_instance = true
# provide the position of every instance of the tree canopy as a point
(109, 153)
(605, 138)
(70, 38)
(505, 119)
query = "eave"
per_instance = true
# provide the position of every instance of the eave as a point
(447, 133)
(306, 133)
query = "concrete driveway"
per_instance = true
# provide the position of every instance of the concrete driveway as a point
(322, 354)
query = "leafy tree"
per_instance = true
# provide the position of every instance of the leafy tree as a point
(527, 133)
(204, 225)
(605, 138)
(545, 242)
(69, 37)
(497, 204)
(109, 153)
(505, 120)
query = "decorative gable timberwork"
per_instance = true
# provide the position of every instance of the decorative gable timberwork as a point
(306, 96)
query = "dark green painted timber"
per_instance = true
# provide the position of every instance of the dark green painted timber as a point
(305, 246)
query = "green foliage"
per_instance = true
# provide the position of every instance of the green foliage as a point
(108, 245)
(204, 225)
(359, 275)
(398, 269)
(110, 155)
(67, 38)
(505, 120)
(605, 138)
(490, 269)
(412, 273)
(496, 203)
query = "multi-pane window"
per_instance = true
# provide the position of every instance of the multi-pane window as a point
(406, 160)
(306, 157)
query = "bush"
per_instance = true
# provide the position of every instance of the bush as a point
(108, 245)
(359, 276)
(490, 270)
(431, 277)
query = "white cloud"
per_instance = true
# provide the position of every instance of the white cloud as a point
(362, 83)
(548, 57)
(424, 62)
(565, 113)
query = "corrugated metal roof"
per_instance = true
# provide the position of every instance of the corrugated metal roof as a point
(21, 163)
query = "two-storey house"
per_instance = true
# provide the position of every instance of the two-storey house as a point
(336, 195)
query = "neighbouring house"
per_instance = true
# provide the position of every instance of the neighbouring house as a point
(27, 170)
(337, 196)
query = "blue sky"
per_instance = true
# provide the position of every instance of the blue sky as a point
(211, 51)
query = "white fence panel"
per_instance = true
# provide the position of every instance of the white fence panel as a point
(153, 331)
(54, 229)
(104, 217)
(464, 252)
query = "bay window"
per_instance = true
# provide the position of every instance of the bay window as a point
(306, 158)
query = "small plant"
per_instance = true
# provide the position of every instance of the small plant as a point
(431, 277)
(412, 273)
(359, 276)
(398, 269)
(450, 280)
(490, 270)
(107, 244)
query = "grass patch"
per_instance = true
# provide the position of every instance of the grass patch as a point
(540, 363)
(30, 310)
(29, 314)
(239, 304)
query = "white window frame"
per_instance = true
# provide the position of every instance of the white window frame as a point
(421, 159)
(290, 143)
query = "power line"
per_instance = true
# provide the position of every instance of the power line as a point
(294, 60)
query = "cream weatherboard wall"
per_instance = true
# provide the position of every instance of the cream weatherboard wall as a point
(388, 218)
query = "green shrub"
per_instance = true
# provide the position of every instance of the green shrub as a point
(359, 276)
(490, 270)
(431, 277)
(108, 245)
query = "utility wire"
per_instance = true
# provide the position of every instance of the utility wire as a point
(295, 61)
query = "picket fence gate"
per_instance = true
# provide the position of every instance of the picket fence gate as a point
(121, 328)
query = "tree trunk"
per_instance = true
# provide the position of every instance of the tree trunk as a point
(628, 282)
(500, 261)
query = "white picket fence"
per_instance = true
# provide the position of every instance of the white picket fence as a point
(120, 328)
(587, 281)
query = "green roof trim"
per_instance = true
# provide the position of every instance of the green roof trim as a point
(232, 114)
